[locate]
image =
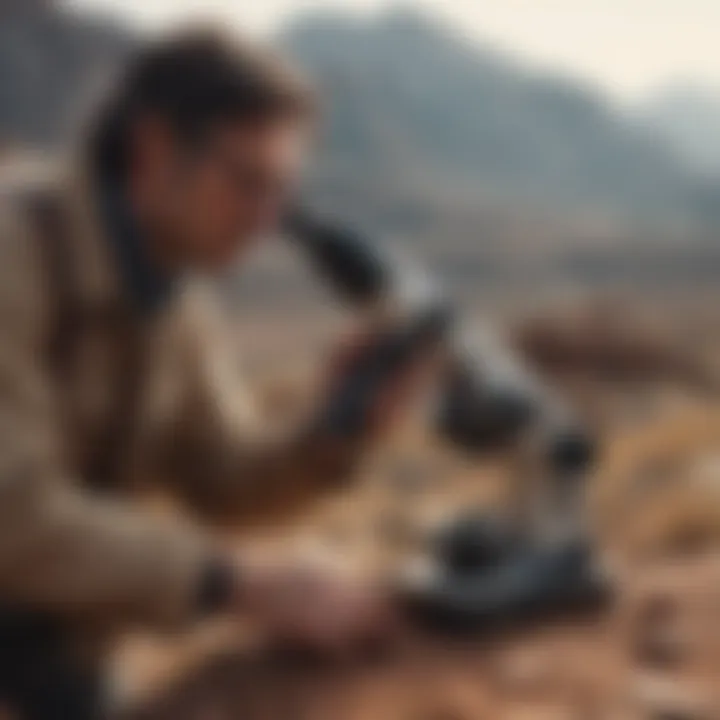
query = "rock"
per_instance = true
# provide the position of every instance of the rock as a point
(520, 673)
(662, 699)
(658, 641)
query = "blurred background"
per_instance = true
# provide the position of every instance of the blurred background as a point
(557, 163)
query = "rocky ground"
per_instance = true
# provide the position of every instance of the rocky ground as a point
(652, 654)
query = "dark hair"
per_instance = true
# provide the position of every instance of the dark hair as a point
(194, 81)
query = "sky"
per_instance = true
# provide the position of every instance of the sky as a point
(629, 47)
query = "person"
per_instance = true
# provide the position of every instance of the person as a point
(114, 370)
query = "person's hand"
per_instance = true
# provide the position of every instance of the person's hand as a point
(313, 608)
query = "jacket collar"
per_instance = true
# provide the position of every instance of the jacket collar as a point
(113, 268)
(146, 286)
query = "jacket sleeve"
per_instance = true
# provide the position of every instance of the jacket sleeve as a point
(61, 549)
(228, 461)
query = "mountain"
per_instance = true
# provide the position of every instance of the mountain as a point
(410, 99)
(49, 62)
(687, 117)
(423, 126)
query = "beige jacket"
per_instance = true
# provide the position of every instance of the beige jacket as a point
(64, 547)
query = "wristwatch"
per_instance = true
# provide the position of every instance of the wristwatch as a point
(217, 587)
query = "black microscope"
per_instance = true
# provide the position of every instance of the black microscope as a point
(537, 560)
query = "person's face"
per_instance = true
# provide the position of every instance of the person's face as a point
(211, 203)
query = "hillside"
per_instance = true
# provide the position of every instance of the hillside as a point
(49, 61)
(413, 102)
(688, 119)
(416, 113)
